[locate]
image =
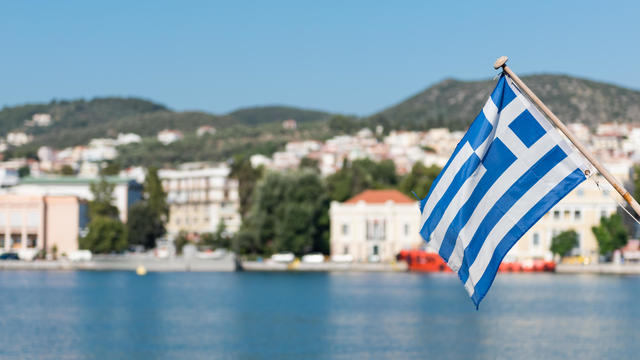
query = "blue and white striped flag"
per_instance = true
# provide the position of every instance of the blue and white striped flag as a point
(509, 169)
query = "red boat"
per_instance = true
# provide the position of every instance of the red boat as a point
(423, 261)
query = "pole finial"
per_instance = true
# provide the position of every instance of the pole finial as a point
(500, 62)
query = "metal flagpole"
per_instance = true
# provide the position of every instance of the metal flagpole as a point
(501, 63)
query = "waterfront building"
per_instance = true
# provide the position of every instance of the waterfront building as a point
(375, 225)
(200, 198)
(579, 211)
(36, 222)
(126, 192)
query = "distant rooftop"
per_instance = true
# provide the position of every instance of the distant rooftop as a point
(381, 197)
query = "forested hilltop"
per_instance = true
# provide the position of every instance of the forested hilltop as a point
(453, 104)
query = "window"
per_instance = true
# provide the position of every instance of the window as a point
(577, 215)
(376, 230)
(556, 215)
(345, 250)
(406, 229)
(345, 229)
(567, 214)
(536, 239)
(603, 213)
(580, 192)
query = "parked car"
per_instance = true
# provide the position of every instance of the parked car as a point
(346, 258)
(313, 258)
(9, 256)
(283, 257)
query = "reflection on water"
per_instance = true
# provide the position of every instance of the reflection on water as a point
(106, 315)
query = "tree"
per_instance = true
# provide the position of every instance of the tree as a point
(611, 234)
(309, 163)
(219, 239)
(24, 171)
(143, 226)
(67, 170)
(247, 177)
(105, 235)
(147, 218)
(155, 195)
(289, 212)
(564, 242)
(110, 169)
(360, 175)
(419, 179)
(102, 203)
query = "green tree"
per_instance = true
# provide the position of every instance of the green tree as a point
(219, 239)
(289, 213)
(419, 179)
(67, 170)
(143, 226)
(155, 195)
(361, 175)
(564, 242)
(105, 235)
(611, 234)
(247, 177)
(111, 169)
(24, 171)
(309, 163)
(102, 203)
(148, 217)
(180, 241)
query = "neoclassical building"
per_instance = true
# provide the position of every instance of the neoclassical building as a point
(375, 225)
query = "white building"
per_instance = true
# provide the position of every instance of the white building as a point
(205, 130)
(168, 136)
(130, 138)
(374, 225)
(200, 198)
(18, 138)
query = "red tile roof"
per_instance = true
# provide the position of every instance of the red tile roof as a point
(380, 197)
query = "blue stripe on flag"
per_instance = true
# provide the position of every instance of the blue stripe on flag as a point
(478, 131)
(463, 174)
(496, 161)
(532, 216)
(506, 201)
(502, 94)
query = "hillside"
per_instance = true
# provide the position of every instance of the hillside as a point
(76, 122)
(452, 103)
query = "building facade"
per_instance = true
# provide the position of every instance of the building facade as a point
(375, 225)
(199, 199)
(41, 222)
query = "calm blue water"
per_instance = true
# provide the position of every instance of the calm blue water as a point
(118, 315)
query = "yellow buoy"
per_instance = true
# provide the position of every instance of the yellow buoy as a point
(141, 270)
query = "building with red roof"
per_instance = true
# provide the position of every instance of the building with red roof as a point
(374, 226)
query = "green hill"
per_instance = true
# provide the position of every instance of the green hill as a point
(454, 104)
(78, 121)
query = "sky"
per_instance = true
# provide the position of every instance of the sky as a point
(354, 57)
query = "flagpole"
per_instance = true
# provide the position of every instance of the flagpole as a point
(501, 63)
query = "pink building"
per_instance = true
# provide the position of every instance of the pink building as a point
(40, 222)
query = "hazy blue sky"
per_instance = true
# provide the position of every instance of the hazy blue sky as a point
(344, 56)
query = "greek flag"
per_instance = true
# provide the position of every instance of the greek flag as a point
(508, 170)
